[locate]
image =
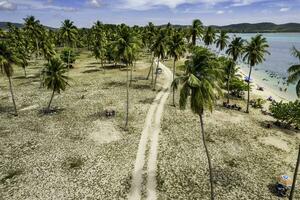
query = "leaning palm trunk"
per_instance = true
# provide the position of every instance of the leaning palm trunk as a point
(208, 157)
(156, 74)
(248, 100)
(48, 108)
(127, 96)
(295, 176)
(151, 68)
(174, 71)
(12, 96)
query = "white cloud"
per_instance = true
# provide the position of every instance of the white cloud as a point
(38, 5)
(285, 9)
(149, 4)
(7, 5)
(94, 3)
(236, 3)
(220, 12)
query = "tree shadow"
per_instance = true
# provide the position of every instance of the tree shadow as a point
(141, 87)
(147, 101)
(91, 71)
(279, 127)
(115, 84)
(51, 111)
(90, 66)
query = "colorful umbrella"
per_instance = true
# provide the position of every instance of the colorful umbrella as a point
(285, 180)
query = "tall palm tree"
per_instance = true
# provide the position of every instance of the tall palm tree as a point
(150, 35)
(33, 28)
(7, 59)
(159, 49)
(176, 49)
(294, 72)
(54, 77)
(209, 36)
(235, 51)
(222, 40)
(196, 30)
(255, 52)
(68, 34)
(99, 42)
(202, 83)
(126, 47)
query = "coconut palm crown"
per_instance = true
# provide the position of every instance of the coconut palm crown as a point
(294, 72)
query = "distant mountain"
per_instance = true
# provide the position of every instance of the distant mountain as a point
(3, 25)
(260, 27)
(253, 28)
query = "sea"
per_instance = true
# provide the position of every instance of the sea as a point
(272, 73)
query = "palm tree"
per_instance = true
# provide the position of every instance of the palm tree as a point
(150, 35)
(159, 49)
(99, 38)
(33, 28)
(209, 36)
(222, 40)
(202, 83)
(196, 30)
(68, 34)
(176, 49)
(7, 59)
(235, 51)
(54, 78)
(47, 46)
(255, 51)
(294, 72)
(126, 47)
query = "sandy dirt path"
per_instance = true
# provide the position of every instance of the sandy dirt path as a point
(150, 133)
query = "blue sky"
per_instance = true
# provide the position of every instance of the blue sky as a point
(212, 12)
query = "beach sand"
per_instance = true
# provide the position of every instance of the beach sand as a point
(268, 91)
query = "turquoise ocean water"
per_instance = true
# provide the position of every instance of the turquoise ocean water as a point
(273, 72)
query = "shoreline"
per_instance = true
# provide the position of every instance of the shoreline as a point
(268, 91)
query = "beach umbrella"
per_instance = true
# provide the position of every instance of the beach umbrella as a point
(247, 79)
(285, 180)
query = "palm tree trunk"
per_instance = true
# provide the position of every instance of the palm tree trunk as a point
(208, 157)
(152, 60)
(156, 73)
(152, 74)
(174, 71)
(248, 99)
(37, 48)
(48, 108)
(12, 96)
(228, 88)
(131, 68)
(295, 176)
(69, 59)
(127, 97)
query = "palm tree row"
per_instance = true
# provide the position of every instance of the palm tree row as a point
(201, 82)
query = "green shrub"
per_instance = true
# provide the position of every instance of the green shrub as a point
(287, 113)
(237, 87)
(68, 56)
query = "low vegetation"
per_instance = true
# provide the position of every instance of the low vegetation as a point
(287, 114)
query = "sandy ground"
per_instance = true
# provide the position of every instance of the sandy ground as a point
(76, 153)
(150, 135)
(267, 90)
(246, 156)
